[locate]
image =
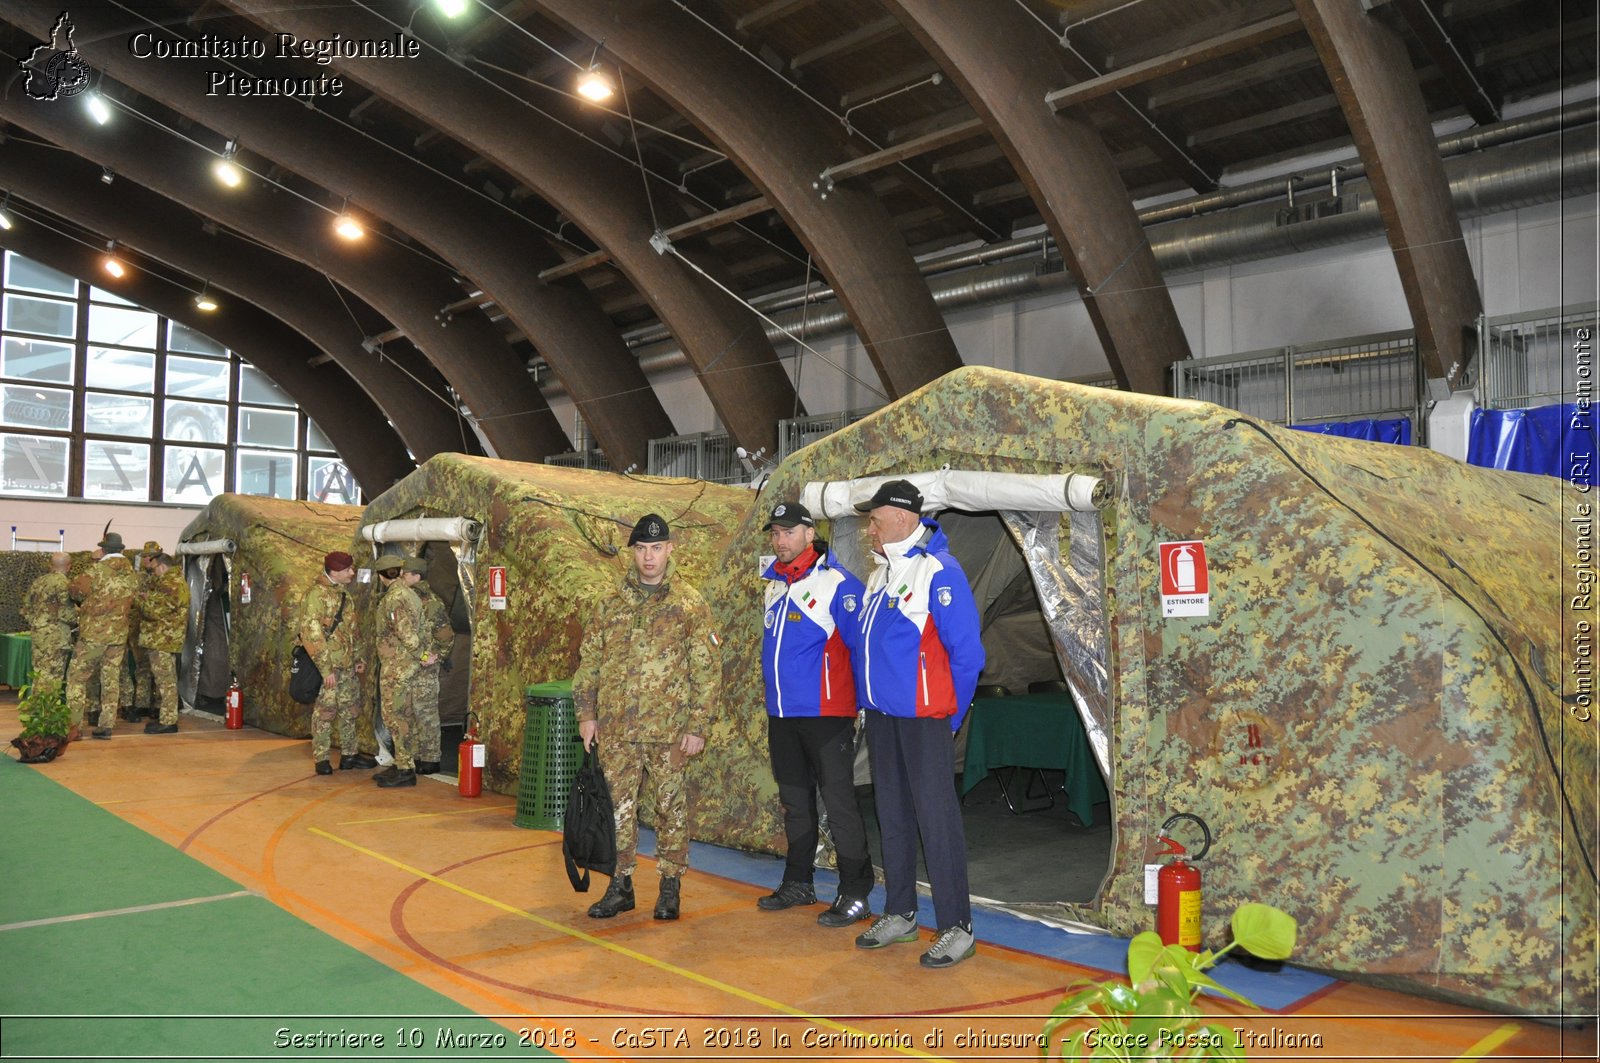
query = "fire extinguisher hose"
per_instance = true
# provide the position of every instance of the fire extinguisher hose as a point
(1205, 831)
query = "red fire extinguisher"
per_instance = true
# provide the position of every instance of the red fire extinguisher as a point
(469, 759)
(1178, 888)
(235, 717)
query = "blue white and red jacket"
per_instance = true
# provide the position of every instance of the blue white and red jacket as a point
(805, 649)
(919, 652)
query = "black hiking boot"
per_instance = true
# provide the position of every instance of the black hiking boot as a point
(618, 898)
(667, 900)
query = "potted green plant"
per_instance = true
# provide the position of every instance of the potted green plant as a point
(42, 710)
(1154, 1015)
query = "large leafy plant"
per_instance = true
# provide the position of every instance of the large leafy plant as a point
(42, 708)
(1155, 1016)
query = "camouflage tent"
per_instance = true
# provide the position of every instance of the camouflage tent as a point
(1373, 704)
(560, 536)
(277, 546)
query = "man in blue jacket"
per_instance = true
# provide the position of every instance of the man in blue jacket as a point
(811, 607)
(917, 662)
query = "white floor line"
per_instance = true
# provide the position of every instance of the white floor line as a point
(127, 911)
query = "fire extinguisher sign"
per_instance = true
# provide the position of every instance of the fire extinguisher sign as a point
(497, 587)
(1185, 582)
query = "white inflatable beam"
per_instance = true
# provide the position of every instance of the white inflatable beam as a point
(965, 490)
(458, 530)
(206, 546)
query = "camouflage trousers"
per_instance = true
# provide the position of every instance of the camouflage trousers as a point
(50, 652)
(163, 666)
(400, 716)
(96, 664)
(145, 688)
(336, 705)
(626, 764)
(427, 688)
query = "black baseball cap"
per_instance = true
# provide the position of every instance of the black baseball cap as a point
(652, 528)
(901, 494)
(789, 515)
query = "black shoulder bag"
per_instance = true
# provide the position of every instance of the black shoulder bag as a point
(589, 838)
(305, 678)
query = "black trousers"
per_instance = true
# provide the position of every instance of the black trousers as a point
(808, 754)
(914, 788)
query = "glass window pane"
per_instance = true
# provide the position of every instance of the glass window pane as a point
(315, 439)
(184, 338)
(192, 474)
(121, 370)
(125, 327)
(199, 377)
(195, 422)
(47, 317)
(36, 360)
(117, 415)
(100, 295)
(268, 428)
(33, 465)
(330, 481)
(116, 470)
(26, 273)
(256, 386)
(263, 473)
(27, 406)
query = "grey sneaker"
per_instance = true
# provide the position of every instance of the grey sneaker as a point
(788, 895)
(951, 947)
(844, 911)
(888, 930)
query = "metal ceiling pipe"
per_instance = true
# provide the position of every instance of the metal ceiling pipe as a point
(1522, 174)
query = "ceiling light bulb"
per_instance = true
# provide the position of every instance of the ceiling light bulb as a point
(99, 109)
(451, 8)
(5, 219)
(205, 302)
(348, 228)
(114, 267)
(228, 172)
(594, 85)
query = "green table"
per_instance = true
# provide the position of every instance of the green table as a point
(1034, 731)
(16, 658)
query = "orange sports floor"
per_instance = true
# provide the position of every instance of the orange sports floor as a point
(447, 892)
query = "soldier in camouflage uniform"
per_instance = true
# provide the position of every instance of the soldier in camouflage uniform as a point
(648, 670)
(403, 652)
(438, 634)
(139, 698)
(50, 614)
(106, 593)
(163, 609)
(328, 633)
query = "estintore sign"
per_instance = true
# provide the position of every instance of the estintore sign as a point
(497, 587)
(1185, 583)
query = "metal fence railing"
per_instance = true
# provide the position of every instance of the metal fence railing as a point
(797, 432)
(581, 459)
(1525, 360)
(701, 456)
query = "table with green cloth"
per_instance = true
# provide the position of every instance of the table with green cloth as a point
(16, 658)
(1034, 731)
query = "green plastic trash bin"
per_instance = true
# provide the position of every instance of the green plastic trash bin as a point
(550, 753)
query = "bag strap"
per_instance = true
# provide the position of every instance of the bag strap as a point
(344, 599)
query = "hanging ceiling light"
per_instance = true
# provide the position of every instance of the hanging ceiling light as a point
(593, 84)
(346, 225)
(111, 263)
(5, 215)
(98, 108)
(225, 169)
(204, 302)
(451, 8)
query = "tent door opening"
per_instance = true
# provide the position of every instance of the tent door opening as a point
(205, 672)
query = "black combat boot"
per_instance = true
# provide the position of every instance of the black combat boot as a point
(618, 898)
(667, 901)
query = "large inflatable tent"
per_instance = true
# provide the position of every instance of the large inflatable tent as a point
(274, 547)
(1348, 658)
(558, 539)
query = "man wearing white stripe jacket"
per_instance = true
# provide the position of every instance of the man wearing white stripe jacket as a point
(917, 660)
(810, 624)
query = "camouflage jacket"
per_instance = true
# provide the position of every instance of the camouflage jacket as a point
(438, 636)
(648, 667)
(107, 592)
(317, 610)
(401, 644)
(163, 610)
(49, 611)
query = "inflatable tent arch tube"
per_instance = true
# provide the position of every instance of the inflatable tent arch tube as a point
(463, 531)
(205, 547)
(974, 492)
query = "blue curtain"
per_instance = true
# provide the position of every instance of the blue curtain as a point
(1396, 430)
(1554, 440)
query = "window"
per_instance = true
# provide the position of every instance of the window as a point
(131, 406)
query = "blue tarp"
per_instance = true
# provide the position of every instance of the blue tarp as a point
(1556, 440)
(1396, 430)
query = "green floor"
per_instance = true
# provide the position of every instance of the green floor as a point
(230, 977)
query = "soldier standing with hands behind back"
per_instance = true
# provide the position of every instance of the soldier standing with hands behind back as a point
(106, 592)
(50, 614)
(648, 670)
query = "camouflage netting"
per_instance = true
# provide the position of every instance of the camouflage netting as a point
(1370, 718)
(280, 546)
(561, 534)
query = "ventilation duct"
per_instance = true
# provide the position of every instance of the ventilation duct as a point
(205, 547)
(973, 492)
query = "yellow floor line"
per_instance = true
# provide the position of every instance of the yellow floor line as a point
(1490, 1043)
(422, 815)
(621, 950)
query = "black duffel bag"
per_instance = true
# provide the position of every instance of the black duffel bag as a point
(589, 838)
